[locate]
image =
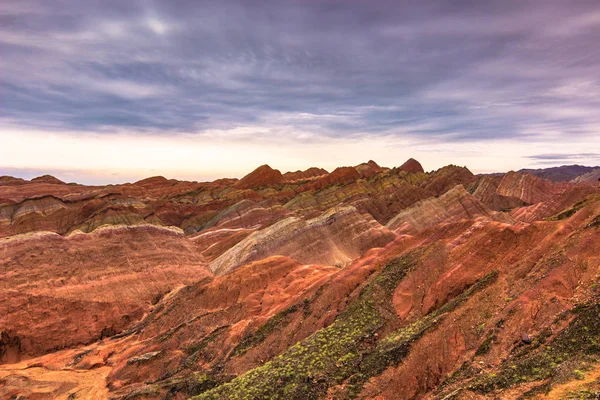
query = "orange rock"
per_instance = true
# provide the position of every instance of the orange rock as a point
(62, 291)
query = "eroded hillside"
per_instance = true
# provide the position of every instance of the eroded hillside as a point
(366, 282)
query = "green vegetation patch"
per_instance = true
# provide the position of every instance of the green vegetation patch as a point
(201, 345)
(278, 321)
(575, 345)
(583, 394)
(576, 207)
(595, 222)
(190, 385)
(325, 358)
(485, 346)
(347, 350)
(393, 348)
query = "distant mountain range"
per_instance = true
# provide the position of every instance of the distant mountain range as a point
(563, 173)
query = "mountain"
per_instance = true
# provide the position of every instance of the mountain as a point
(591, 177)
(47, 179)
(363, 282)
(261, 176)
(306, 174)
(454, 205)
(563, 173)
(412, 165)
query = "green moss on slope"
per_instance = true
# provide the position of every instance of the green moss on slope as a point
(569, 212)
(345, 351)
(576, 344)
(278, 321)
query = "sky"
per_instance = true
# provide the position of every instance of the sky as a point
(113, 91)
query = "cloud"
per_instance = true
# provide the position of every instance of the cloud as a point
(571, 157)
(437, 73)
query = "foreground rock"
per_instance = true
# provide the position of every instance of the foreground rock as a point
(59, 292)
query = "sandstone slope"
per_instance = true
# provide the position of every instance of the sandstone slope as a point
(454, 205)
(334, 238)
(60, 291)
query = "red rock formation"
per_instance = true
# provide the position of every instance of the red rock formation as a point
(47, 179)
(10, 181)
(289, 272)
(368, 169)
(334, 238)
(235, 223)
(271, 285)
(374, 165)
(339, 176)
(63, 291)
(486, 191)
(531, 273)
(154, 181)
(452, 206)
(192, 205)
(261, 176)
(529, 188)
(546, 198)
(301, 175)
(447, 177)
(411, 165)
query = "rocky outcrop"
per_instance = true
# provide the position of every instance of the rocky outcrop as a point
(10, 181)
(235, 223)
(194, 206)
(60, 291)
(306, 174)
(153, 181)
(28, 215)
(529, 188)
(334, 238)
(368, 169)
(543, 197)
(454, 205)
(47, 179)
(486, 191)
(338, 176)
(248, 214)
(592, 177)
(261, 176)
(411, 165)
(448, 177)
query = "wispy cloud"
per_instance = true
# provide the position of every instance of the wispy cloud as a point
(572, 157)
